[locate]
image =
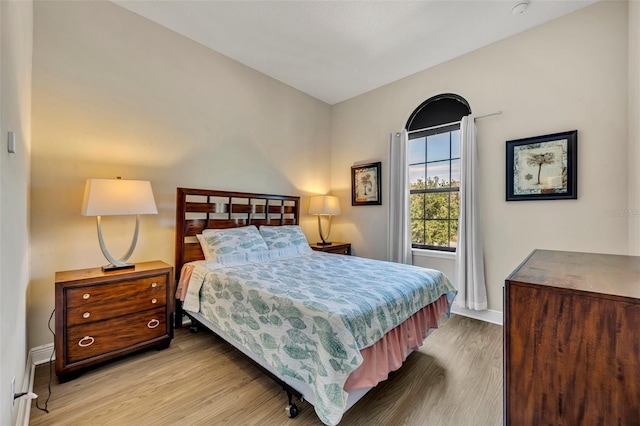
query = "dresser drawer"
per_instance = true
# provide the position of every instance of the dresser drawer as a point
(99, 302)
(101, 337)
(114, 292)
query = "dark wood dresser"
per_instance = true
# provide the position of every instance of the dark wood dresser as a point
(102, 315)
(572, 340)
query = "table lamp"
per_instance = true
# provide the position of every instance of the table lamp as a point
(324, 205)
(116, 197)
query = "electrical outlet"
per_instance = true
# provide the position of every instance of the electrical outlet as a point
(13, 391)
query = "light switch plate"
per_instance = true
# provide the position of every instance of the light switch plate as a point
(11, 143)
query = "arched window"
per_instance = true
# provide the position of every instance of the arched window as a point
(434, 171)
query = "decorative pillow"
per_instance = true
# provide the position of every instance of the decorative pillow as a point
(278, 237)
(218, 242)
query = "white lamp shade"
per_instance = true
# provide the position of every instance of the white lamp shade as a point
(324, 204)
(113, 197)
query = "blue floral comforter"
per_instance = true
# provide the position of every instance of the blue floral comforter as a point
(308, 314)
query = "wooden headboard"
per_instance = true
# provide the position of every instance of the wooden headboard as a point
(199, 209)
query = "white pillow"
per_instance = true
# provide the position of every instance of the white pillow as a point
(278, 237)
(204, 247)
(218, 242)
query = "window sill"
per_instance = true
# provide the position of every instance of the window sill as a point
(434, 254)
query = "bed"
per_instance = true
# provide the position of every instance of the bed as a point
(327, 327)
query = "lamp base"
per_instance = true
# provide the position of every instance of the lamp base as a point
(109, 268)
(324, 243)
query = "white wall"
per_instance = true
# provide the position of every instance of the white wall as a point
(117, 95)
(634, 128)
(568, 74)
(16, 36)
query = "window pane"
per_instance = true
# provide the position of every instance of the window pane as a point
(438, 174)
(417, 206)
(437, 206)
(455, 173)
(417, 150)
(417, 231)
(453, 241)
(455, 205)
(455, 144)
(416, 176)
(438, 147)
(437, 232)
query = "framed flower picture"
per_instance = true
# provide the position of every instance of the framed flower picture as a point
(365, 184)
(543, 167)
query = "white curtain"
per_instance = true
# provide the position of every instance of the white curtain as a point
(470, 279)
(399, 238)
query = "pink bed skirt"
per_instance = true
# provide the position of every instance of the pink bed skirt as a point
(388, 353)
(185, 276)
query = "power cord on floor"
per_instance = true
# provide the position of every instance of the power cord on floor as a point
(46, 402)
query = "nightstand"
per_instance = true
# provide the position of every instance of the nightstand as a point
(103, 315)
(337, 248)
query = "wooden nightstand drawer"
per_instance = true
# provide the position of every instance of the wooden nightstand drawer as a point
(113, 292)
(86, 341)
(103, 315)
(339, 250)
(103, 301)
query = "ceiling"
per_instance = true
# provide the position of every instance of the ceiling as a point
(335, 50)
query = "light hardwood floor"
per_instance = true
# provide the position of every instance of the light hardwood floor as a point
(454, 379)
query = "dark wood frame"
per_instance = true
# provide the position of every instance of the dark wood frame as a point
(571, 173)
(377, 167)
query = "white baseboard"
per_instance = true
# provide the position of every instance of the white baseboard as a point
(42, 354)
(494, 317)
(36, 356)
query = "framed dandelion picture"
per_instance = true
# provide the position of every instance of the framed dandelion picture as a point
(543, 167)
(365, 184)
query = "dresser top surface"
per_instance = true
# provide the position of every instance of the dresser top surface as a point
(89, 274)
(599, 273)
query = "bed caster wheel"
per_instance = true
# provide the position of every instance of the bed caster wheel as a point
(292, 411)
(193, 329)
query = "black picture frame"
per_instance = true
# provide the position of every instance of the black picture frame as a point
(527, 177)
(365, 184)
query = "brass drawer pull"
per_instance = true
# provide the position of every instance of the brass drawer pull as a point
(153, 323)
(86, 315)
(86, 296)
(154, 285)
(154, 301)
(86, 341)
